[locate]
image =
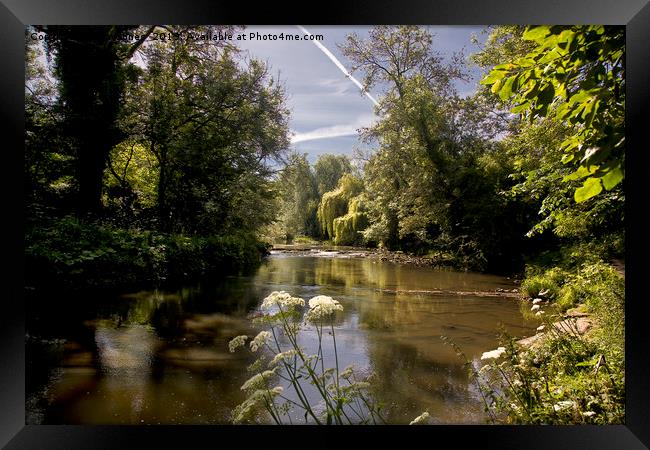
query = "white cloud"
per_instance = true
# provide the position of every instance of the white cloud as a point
(349, 129)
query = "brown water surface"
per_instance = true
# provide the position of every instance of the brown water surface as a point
(162, 357)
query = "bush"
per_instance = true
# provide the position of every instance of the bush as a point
(550, 281)
(72, 253)
(563, 377)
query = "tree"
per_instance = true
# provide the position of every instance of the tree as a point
(214, 128)
(49, 158)
(329, 169)
(551, 172)
(335, 204)
(577, 75)
(91, 63)
(298, 199)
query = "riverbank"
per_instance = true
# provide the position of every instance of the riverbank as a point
(70, 253)
(361, 252)
(398, 257)
(572, 369)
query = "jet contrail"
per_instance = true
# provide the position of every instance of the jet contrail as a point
(339, 65)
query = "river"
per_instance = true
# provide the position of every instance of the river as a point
(157, 357)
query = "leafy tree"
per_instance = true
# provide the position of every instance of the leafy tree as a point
(434, 183)
(536, 144)
(49, 158)
(298, 198)
(214, 128)
(334, 204)
(329, 169)
(577, 75)
(91, 63)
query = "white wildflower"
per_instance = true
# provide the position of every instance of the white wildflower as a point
(237, 342)
(281, 299)
(534, 307)
(260, 340)
(541, 328)
(494, 354)
(421, 419)
(539, 313)
(282, 357)
(588, 413)
(355, 387)
(258, 380)
(537, 300)
(347, 373)
(247, 409)
(254, 403)
(484, 369)
(276, 390)
(559, 406)
(321, 307)
(517, 383)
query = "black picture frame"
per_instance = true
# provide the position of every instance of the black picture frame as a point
(16, 14)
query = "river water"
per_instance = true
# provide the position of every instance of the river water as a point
(158, 357)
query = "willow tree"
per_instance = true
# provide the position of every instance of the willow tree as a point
(349, 227)
(298, 196)
(334, 204)
(329, 169)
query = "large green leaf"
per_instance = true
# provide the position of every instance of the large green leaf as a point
(590, 188)
(612, 178)
(536, 33)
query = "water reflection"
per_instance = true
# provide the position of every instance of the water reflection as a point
(156, 357)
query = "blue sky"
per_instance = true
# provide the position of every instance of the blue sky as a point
(327, 107)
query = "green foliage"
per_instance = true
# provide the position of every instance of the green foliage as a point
(165, 166)
(576, 75)
(212, 134)
(335, 203)
(550, 281)
(348, 228)
(567, 379)
(297, 195)
(564, 377)
(328, 170)
(435, 182)
(75, 254)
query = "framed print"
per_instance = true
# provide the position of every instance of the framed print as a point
(239, 219)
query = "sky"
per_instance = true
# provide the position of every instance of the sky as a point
(326, 106)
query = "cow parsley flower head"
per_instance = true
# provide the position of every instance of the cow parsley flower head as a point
(421, 419)
(282, 300)
(347, 373)
(283, 357)
(322, 307)
(257, 381)
(494, 354)
(260, 340)
(237, 342)
(559, 406)
(254, 403)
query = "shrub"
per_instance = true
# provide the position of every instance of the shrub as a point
(72, 253)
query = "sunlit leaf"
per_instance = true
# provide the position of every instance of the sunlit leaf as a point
(536, 33)
(612, 178)
(590, 188)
